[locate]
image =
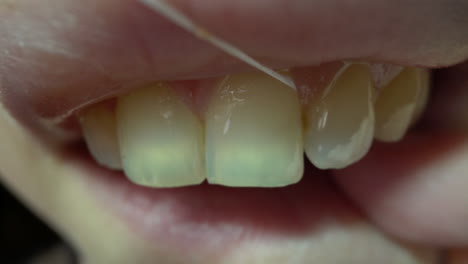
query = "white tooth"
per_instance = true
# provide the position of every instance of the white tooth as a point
(160, 138)
(339, 122)
(399, 103)
(253, 133)
(99, 130)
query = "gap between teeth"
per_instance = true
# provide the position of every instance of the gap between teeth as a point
(255, 129)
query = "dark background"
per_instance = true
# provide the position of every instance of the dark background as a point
(22, 235)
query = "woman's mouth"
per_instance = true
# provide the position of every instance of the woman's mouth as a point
(100, 62)
(248, 130)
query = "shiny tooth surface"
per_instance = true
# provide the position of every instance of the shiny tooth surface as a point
(339, 120)
(253, 133)
(99, 131)
(399, 103)
(161, 140)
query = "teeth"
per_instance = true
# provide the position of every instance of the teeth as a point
(99, 131)
(400, 103)
(339, 122)
(253, 133)
(254, 126)
(160, 138)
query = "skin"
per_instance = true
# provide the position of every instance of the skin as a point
(420, 181)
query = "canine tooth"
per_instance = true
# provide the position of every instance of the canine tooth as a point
(253, 133)
(339, 121)
(399, 103)
(99, 130)
(160, 138)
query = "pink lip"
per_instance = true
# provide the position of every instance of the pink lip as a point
(59, 56)
(212, 219)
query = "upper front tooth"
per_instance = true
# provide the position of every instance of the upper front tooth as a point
(339, 121)
(253, 133)
(160, 138)
(99, 131)
(399, 103)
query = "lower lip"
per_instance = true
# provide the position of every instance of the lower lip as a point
(214, 218)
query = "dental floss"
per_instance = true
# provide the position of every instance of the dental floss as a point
(183, 21)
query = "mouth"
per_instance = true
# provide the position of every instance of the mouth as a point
(156, 156)
(250, 130)
(210, 163)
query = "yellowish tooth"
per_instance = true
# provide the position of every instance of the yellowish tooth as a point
(253, 133)
(160, 138)
(99, 130)
(399, 103)
(339, 122)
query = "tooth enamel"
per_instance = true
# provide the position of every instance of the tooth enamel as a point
(253, 133)
(339, 123)
(399, 103)
(160, 138)
(99, 130)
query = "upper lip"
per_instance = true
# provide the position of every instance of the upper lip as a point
(57, 58)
